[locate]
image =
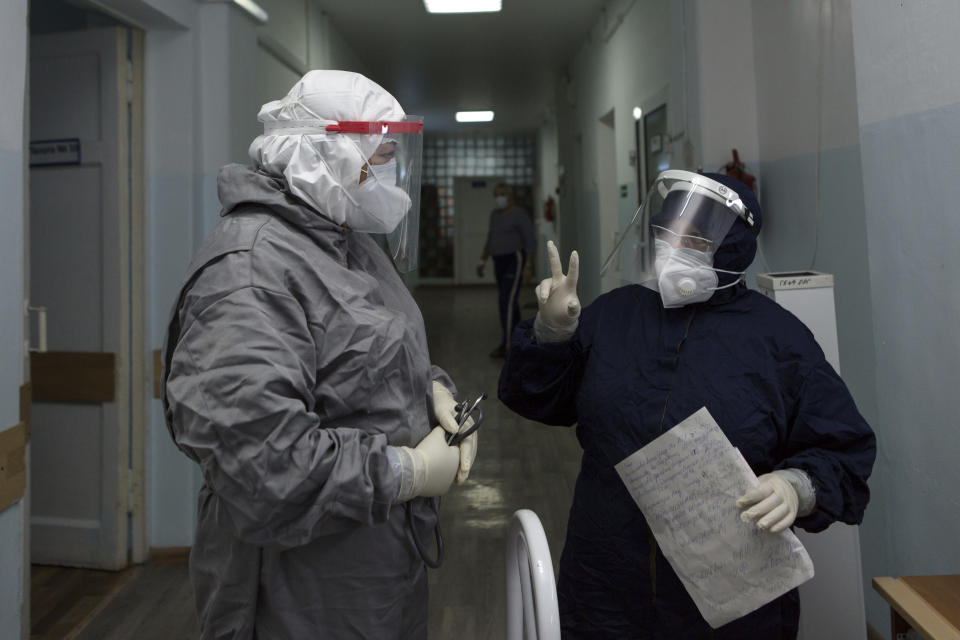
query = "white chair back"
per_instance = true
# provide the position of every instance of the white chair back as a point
(531, 587)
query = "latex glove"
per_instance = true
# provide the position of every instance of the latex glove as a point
(445, 409)
(429, 469)
(557, 295)
(773, 503)
(468, 452)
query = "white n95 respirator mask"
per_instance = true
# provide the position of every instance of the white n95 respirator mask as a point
(686, 276)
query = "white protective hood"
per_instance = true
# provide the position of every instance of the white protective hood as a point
(323, 169)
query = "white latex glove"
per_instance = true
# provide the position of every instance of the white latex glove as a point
(468, 452)
(445, 409)
(773, 503)
(557, 295)
(429, 469)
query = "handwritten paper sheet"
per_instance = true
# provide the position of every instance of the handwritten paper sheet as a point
(686, 482)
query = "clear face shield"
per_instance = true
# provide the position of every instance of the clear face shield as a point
(670, 243)
(386, 190)
(392, 184)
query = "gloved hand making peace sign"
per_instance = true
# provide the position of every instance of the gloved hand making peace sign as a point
(557, 295)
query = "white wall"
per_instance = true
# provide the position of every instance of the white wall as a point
(205, 83)
(546, 181)
(727, 89)
(14, 620)
(909, 111)
(339, 53)
(172, 180)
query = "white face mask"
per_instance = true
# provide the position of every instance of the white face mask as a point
(382, 203)
(686, 276)
(385, 174)
(501, 201)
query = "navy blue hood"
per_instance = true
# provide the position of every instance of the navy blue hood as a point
(739, 247)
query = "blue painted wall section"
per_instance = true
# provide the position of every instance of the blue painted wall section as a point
(910, 168)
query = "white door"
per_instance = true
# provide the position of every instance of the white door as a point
(473, 202)
(84, 269)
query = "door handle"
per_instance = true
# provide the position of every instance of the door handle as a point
(41, 328)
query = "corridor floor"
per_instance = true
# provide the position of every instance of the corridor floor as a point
(519, 465)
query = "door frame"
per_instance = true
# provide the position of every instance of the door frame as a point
(139, 362)
(131, 354)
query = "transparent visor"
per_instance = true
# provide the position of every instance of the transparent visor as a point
(389, 182)
(683, 210)
(396, 167)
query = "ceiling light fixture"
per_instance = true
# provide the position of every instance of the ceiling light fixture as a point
(462, 6)
(637, 113)
(474, 116)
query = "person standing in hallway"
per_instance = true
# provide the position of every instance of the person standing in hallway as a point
(686, 334)
(297, 376)
(511, 243)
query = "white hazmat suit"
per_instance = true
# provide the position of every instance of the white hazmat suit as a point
(295, 370)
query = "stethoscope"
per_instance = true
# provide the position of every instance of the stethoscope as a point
(465, 410)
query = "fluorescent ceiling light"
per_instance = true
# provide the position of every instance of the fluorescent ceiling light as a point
(462, 6)
(637, 113)
(474, 116)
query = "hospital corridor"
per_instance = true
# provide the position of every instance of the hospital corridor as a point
(479, 320)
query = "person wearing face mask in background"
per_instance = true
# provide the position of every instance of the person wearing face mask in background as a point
(296, 374)
(510, 240)
(684, 332)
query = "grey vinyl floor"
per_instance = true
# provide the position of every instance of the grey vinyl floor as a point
(520, 465)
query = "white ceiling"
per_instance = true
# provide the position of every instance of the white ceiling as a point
(436, 64)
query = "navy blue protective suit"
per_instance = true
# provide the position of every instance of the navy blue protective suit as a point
(633, 370)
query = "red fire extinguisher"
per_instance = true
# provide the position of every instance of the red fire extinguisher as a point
(736, 169)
